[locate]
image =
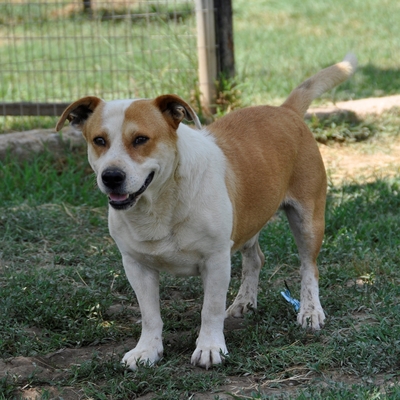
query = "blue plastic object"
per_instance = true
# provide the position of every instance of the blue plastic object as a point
(288, 297)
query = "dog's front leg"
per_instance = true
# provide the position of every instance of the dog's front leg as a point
(211, 341)
(145, 283)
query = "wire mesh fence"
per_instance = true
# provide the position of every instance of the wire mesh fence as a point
(55, 51)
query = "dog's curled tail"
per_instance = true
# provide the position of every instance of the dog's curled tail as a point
(300, 98)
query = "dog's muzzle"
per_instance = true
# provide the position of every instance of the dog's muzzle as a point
(114, 180)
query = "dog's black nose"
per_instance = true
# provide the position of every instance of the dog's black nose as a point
(113, 177)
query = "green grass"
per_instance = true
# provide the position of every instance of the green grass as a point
(33, 183)
(278, 44)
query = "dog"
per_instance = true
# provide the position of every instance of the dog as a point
(183, 199)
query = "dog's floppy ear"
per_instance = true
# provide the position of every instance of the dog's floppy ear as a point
(175, 110)
(78, 112)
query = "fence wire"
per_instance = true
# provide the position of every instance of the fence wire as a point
(55, 51)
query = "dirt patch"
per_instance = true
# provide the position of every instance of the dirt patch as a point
(24, 145)
(361, 108)
(47, 367)
(361, 162)
(52, 367)
(77, 8)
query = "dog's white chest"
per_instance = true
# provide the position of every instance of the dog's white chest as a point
(181, 252)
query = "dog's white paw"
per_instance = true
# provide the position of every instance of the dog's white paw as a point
(238, 308)
(132, 359)
(207, 356)
(311, 317)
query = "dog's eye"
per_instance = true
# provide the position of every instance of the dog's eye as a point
(99, 141)
(140, 140)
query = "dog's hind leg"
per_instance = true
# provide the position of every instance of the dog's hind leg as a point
(307, 225)
(252, 261)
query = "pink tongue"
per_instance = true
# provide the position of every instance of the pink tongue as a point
(118, 197)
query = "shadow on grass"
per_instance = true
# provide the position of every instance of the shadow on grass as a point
(378, 81)
(369, 81)
(369, 210)
(361, 252)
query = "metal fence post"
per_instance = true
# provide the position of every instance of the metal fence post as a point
(224, 36)
(87, 7)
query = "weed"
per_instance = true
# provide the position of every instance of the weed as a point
(349, 128)
(228, 95)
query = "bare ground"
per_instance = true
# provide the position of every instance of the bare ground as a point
(364, 162)
(53, 367)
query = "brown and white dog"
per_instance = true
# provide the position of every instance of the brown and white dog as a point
(183, 199)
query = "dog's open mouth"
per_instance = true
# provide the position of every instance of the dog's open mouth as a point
(125, 200)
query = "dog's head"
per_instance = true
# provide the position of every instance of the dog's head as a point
(132, 144)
